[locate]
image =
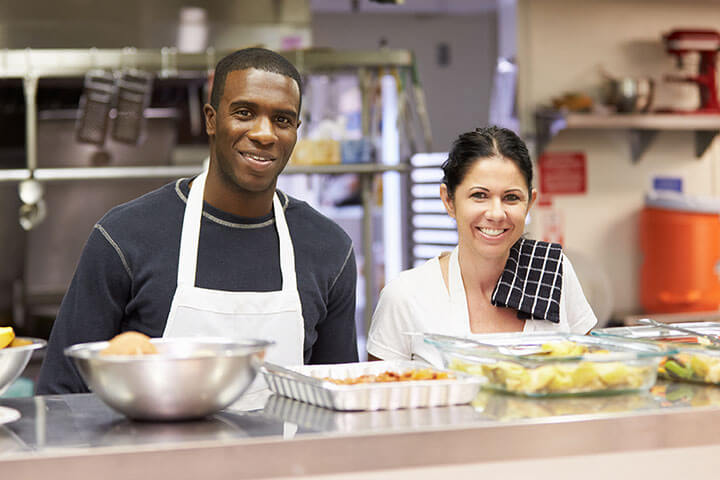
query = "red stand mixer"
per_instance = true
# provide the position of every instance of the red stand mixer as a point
(707, 44)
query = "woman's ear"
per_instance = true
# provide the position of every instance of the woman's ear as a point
(533, 197)
(447, 201)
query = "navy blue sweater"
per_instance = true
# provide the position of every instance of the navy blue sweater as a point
(127, 275)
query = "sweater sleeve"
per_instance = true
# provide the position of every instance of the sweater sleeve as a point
(92, 310)
(337, 335)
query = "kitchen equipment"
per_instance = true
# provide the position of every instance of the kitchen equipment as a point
(188, 377)
(711, 337)
(629, 94)
(95, 103)
(305, 383)
(13, 360)
(134, 90)
(33, 209)
(680, 245)
(691, 357)
(706, 44)
(580, 364)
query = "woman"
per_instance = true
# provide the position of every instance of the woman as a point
(495, 280)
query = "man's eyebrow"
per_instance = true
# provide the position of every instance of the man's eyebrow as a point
(246, 103)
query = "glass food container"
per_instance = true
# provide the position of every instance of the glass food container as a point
(556, 364)
(692, 357)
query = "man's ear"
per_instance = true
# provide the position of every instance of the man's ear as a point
(447, 201)
(210, 118)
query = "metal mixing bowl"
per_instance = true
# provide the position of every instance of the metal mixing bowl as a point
(188, 377)
(13, 361)
(629, 95)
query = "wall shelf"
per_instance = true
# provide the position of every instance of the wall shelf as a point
(641, 127)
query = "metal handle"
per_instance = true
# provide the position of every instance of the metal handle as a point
(649, 321)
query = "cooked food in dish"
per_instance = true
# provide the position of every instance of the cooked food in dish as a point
(130, 343)
(691, 367)
(9, 340)
(558, 378)
(387, 376)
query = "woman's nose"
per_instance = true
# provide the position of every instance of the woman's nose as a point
(262, 131)
(495, 210)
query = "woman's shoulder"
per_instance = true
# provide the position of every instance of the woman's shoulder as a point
(417, 281)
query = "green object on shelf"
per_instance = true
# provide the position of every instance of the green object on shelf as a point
(22, 387)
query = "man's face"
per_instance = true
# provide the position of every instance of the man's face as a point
(254, 128)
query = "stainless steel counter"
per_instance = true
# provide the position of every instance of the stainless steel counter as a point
(77, 436)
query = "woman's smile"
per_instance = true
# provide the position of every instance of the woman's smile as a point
(492, 233)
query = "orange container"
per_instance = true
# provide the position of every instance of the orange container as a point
(681, 251)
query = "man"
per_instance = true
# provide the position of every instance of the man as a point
(224, 253)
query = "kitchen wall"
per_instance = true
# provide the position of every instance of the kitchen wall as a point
(564, 45)
(458, 94)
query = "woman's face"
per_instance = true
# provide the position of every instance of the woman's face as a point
(490, 206)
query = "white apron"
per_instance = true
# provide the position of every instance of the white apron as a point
(201, 312)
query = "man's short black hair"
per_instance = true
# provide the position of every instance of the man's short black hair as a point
(259, 58)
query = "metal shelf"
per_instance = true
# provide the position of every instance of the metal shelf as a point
(120, 173)
(642, 127)
(167, 62)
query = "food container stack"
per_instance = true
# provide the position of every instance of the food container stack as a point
(547, 365)
(689, 358)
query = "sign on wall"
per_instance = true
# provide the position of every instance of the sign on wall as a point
(563, 173)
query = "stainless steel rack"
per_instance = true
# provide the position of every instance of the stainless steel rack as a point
(32, 64)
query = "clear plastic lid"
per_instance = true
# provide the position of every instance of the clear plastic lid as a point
(678, 340)
(537, 349)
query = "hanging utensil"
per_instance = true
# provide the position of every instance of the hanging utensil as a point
(713, 339)
(133, 97)
(95, 104)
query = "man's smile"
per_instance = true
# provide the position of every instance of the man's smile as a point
(258, 160)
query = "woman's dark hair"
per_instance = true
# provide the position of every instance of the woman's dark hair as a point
(485, 143)
(259, 58)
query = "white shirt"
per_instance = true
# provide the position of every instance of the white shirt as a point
(417, 301)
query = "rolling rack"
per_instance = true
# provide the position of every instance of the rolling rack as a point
(32, 64)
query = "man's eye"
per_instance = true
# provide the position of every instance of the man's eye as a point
(284, 120)
(242, 113)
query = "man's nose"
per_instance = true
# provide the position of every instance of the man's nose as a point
(262, 131)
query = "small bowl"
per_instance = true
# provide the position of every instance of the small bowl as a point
(188, 378)
(13, 361)
(629, 95)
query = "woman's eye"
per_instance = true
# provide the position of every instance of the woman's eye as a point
(512, 197)
(479, 195)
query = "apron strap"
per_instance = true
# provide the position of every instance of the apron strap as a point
(190, 235)
(190, 238)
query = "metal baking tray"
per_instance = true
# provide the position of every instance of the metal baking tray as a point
(305, 383)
